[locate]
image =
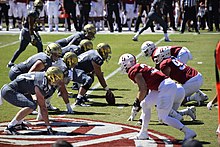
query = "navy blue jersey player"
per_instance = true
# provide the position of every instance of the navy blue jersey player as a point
(89, 32)
(29, 33)
(29, 90)
(83, 46)
(91, 62)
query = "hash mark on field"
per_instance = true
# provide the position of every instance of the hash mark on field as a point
(9, 44)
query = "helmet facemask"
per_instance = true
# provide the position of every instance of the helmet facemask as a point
(147, 48)
(104, 50)
(70, 59)
(126, 61)
(54, 51)
(86, 45)
(54, 75)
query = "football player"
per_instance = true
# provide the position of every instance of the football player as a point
(83, 46)
(190, 78)
(67, 64)
(29, 90)
(148, 48)
(91, 62)
(154, 15)
(89, 32)
(29, 34)
(40, 62)
(155, 88)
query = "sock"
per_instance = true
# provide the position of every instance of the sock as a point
(166, 36)
(12, 123)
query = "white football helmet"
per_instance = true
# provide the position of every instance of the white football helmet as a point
(126, 61)
(147, 48)
(162, 53)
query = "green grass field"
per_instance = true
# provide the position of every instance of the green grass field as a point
(201, 46)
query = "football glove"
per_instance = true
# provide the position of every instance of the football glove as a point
(135, 109)
(50, 130)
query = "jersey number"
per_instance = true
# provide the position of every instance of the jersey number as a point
(179, 64)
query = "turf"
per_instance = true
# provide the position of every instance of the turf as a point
(201, 46)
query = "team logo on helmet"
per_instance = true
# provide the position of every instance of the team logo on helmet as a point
(90, 31)
(54, 75)
(104, 50)
(70, 59)
(86, 45)
(53, 48)
(147, 48)
(126, 61)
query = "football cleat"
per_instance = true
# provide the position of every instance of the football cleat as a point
(52, 108)
(80, 102)
(199, 97)
(192, 112)
(167, 40)
(21, 126)
(188, 133)
(141, 136)
(135, 39)
(11, 131)
(10, 64)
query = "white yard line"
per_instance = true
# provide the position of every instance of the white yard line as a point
(116, 71)
(9, 44)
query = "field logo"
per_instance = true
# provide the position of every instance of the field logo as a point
(82, 132)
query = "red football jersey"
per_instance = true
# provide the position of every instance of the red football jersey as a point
(174, 50)
(179, 71)
(152, 76)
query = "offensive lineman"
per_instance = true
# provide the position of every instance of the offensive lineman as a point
(27, 91)
(89, 32)
(41, 62)
(91, 62)
(83, 46)
(155, 88)
(29, 34)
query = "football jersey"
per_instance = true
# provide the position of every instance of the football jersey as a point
(72, 48)
(33, 14)
(25, 84)
(152, 76)
(25, 66)
(179, 71)
(167, 51)
(85, 60)
(75, 39)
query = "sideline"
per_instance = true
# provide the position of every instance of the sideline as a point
(117, 70)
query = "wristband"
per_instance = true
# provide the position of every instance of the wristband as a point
(106, 88)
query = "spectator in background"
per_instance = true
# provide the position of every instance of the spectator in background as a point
(70, 9)
(143, 5)
(61, 143)
(202, 15)
(130, 11)
(12, 14)
(4, 6)
(113, 6)
(213, 14)
(97, 12)
(53, 13)
(169, 9)
(189, 12)
(84, 8)
(22, 12)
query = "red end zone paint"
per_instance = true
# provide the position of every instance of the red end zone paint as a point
(83, 132)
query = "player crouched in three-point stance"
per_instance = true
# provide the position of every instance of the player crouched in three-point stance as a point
(29, 90)
(29, 34)
(91, 62)
(155, 88)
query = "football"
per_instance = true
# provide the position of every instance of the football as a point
(110, 98)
